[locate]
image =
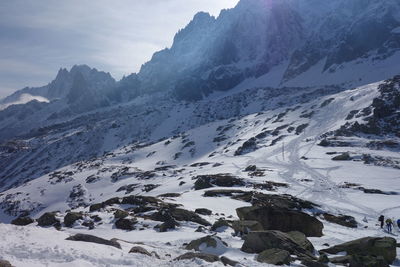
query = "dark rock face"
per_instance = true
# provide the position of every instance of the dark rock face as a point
(302, 240)
(223, 180)
(203, 256)
(251, 168)
(385, 118)
(367, 261)
(96, 207)
(140, 200)
(272, 218)
(71, 218)
(120, 214)
(258, 241)
(244, 227)
(343, 220)
(4, 263)
(247, 147)
(94, 239)
(227, 261)
(369, 246)
(170, 195)
(140, 250)
(278, 201)
(126, 224)
(23, 221)
(185, 215)
(203, 211)
(311, 263)
(48, 219)
(167, 225)
(179, 215)
(274, 256)
(342, 157)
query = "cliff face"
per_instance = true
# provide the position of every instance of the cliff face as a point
(256, 36)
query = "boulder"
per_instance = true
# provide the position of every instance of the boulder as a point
(4, 263)
(367, 261)
(140, 250)
(48, 219)
(302, 240)
(95, 218)
(170, 195)
(203, 211)
(89, 224)
(227, 261)
(258, 241)
(96, 207)
(167, 225)
(94, 239)
(211, 180)
(140, 200)
(22, 221)
(251, 168)
(112, 201)
(71, 218)
(179, 215)
(343, 260)
(126, 224)
(220, 225)
(344, 220)
(313, 263)
(368, 246)
(203, 256)
(204, 243)
(120, 214)
(342, 157)
(323, 258)
(201, 229)
(360, 261)
(274, 256)
(285, 220)
(273, 200)
(244, 227)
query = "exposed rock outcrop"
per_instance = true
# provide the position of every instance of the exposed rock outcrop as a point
(94, 239)
(285, 220)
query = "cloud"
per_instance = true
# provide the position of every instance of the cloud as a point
(24, 98)
(118, 37)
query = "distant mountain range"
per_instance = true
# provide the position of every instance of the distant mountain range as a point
(293, 103)
(290, 42)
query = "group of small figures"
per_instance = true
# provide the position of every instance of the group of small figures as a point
(389, 223)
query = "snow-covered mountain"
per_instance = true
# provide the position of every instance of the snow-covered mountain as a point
(285, 42)
(269, 142)
(277, 115)
(293, 43)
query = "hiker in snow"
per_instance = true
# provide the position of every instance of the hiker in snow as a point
(389, 224)
(382, 220)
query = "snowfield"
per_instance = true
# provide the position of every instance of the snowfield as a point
(290, 158)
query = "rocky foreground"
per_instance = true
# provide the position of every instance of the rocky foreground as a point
(275, 228)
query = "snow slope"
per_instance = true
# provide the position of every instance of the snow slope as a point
(287, 126)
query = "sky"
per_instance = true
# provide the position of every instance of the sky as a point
(118, 36)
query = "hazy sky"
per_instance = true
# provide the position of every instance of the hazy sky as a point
(118, 36)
